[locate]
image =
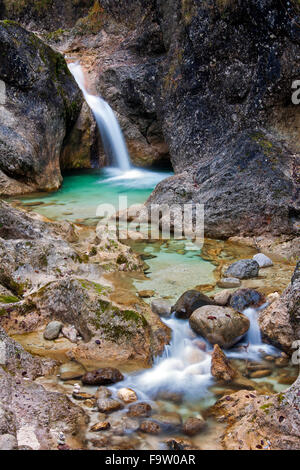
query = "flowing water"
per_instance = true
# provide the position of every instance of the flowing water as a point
(112, 137)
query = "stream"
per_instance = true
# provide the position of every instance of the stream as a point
(179, 384)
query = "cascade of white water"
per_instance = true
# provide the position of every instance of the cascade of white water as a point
(112, 137)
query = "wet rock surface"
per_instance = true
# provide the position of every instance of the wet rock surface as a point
(189, 302)
(105, 376)
(220, 366)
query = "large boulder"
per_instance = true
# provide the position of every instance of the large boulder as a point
(280, 322)
(39, 102)
(189, 302)
(219, 325)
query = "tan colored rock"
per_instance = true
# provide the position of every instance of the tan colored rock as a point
(168, 419)
(222, 298)
(102, 426)
(108, 405)
(82, 396)
(220, 366)
(219, 325)
(146, 294)
(229, 282)
(127, 395)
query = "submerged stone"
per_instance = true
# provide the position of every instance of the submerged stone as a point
(104, 376)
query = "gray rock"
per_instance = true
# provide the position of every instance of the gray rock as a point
(263, 260)
(243, 269)
(245, 298)
(161, 307)
(8, 442)
(31, 142)
(52, 330)
(70, 333)
(219, 325)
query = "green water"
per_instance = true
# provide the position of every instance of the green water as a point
(173, 268)
(81, 193)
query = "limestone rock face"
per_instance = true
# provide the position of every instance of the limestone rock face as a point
(219, 325)
(35, 416)
(39, 102)
(225, 85)
(280, 322)
(29, 414)
(49, 16)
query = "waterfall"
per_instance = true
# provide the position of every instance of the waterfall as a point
(112, 137)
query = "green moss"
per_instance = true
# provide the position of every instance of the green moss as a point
(132, 316)
(2, 312)
(17, 288)
(93, 251)
(8, 299)
(266, 407)
(94, 285)
(43, 260)
(281, 397)
(93, 22)
(188, 11)
(121, 259)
